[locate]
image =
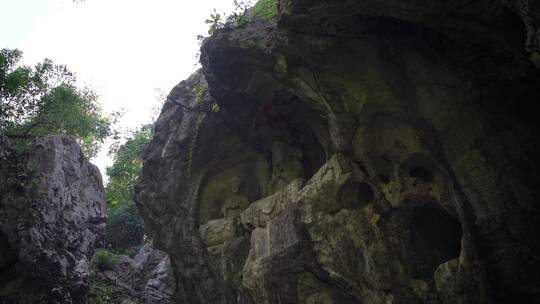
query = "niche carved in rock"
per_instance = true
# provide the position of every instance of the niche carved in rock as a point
(355, 195)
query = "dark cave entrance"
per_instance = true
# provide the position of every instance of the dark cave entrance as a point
(435, 239)
(420, 167)
(355, 195)
(422, 174)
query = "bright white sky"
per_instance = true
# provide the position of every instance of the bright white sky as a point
(127, 50)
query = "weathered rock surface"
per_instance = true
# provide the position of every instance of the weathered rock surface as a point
(146, 278)
(160, 288)
(388, 152)
(52, 216)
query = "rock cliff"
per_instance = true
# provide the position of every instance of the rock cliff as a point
(52, 216)
(354, 152)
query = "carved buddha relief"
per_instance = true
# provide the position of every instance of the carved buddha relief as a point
(287, 165)
(238, 201)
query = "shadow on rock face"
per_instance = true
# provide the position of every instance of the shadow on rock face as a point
(8, 261)
(435, 239)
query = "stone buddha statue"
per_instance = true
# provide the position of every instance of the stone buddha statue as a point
(286, 166)
(237, 203)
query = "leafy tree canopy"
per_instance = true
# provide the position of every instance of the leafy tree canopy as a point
(125, 228)
(44, 100)
(127, 165)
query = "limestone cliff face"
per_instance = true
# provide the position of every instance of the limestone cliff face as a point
(354, 152)
(52, 216)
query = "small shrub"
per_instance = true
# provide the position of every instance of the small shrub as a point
(214, 22)
(131, 252)
(104, 259)
(100, 295)
(264, 10)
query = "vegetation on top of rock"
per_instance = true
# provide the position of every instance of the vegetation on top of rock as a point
(263, 10)
(104, 259)
(215, 22)
(100, 295)
(245, 11)
(44, 100)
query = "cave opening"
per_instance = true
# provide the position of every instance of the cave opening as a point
(435, 239)
(302, 127)
(421, 173)
(355, 195)
(312, 151)
(421, 167)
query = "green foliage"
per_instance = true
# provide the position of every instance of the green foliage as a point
(127, 165)
(245, 11)
(131, 252)
(104, 259)
(125, 227)
(44, 100)
(100, 295)
(215, 22)
(264, 10)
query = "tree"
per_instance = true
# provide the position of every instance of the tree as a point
(127, 165)
(214, 22)
(44, 100)
(124, 226)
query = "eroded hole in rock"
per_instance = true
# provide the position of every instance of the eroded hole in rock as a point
(419, 166)
(422, 174)
(312, 151)
(435, 239)
(301, 132)
(355, 195)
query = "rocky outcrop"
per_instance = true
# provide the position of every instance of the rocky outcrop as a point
(387, 152)
(146, 278)
(160, 288)
(52, 216)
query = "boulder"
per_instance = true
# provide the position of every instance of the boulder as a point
(146, 278)
(160, 288)
(52, 216)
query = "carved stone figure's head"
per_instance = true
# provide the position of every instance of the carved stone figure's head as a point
(235, 184)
